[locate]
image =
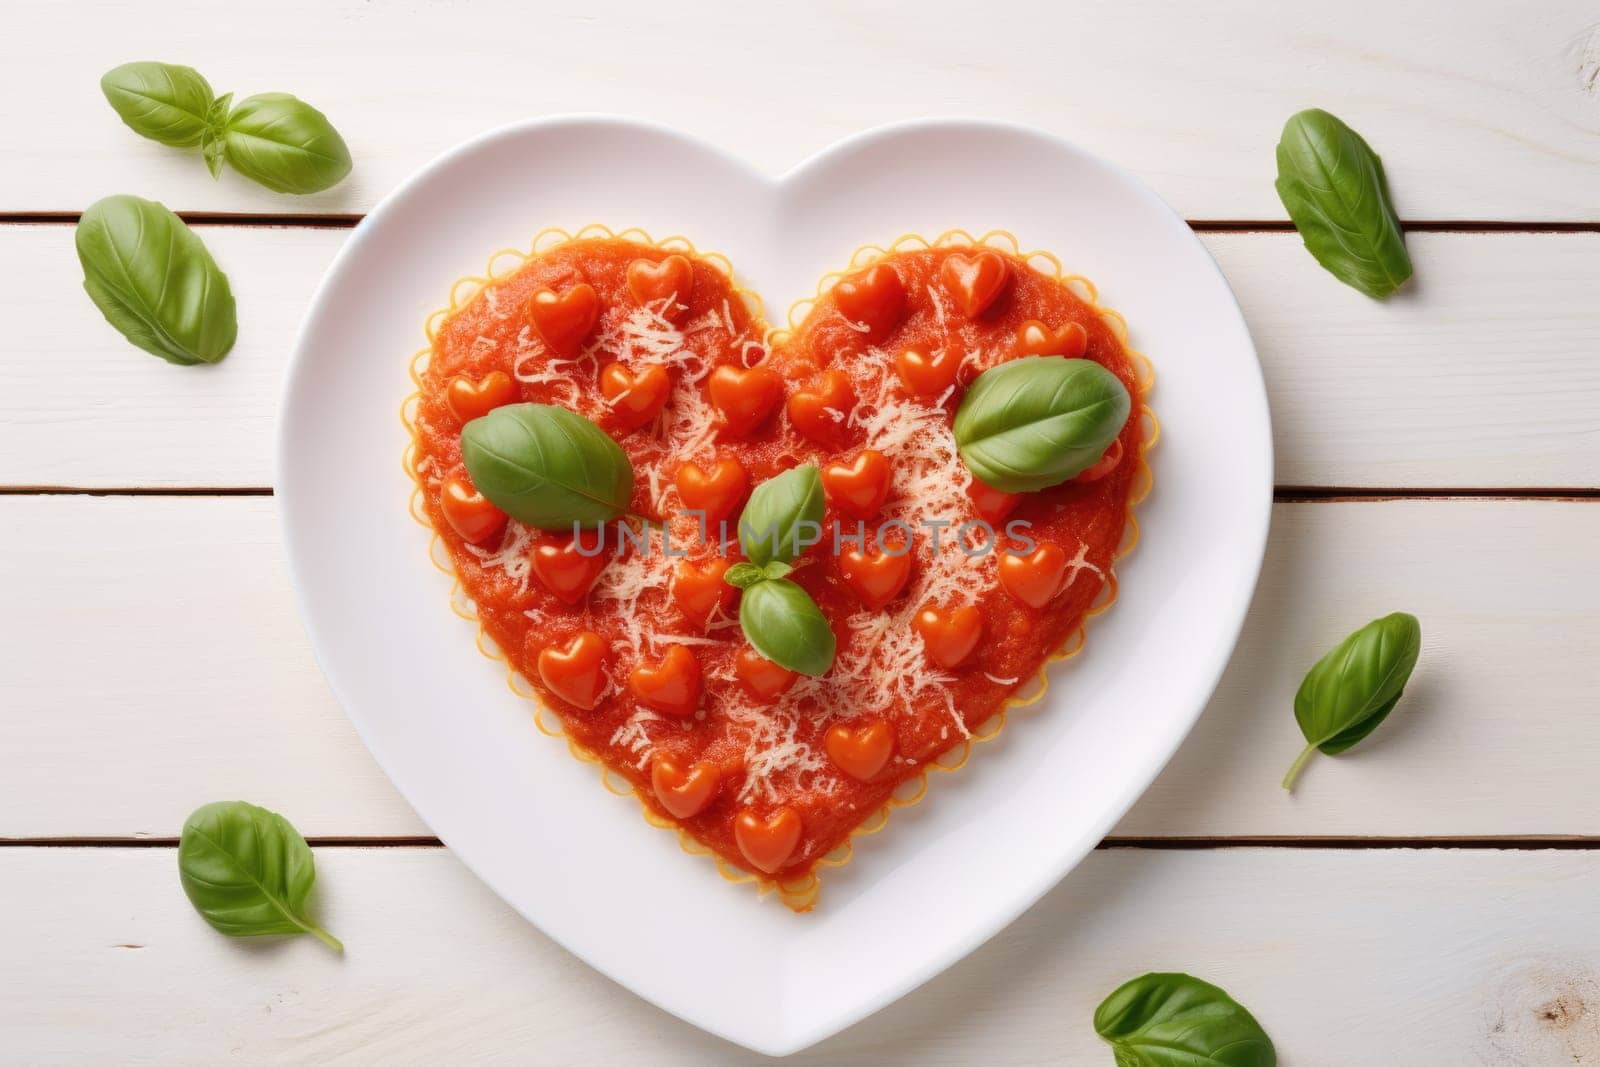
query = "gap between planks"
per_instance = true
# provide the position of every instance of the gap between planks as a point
(1347, 843)
(350, 221)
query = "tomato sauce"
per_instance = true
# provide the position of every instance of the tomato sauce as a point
(770, 783)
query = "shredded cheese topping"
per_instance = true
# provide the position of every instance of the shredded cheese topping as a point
(637, 583)
(512, 556)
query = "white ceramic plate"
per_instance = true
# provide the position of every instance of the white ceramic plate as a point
(534, 823)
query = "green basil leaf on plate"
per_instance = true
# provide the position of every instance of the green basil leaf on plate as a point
(783, 623)
(1354, 688)
(152, 278)
(1177, 1020)
(1333, 185)
(547, 467)
(161, 101)
(284, 143)
(248, 872)
(1035, 422)
(783, 515)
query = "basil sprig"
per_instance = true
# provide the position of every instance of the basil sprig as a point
(1177, 1020)
(152, 278)
(779, 618)
(776, 520)
(1353, 688)
(1038, 421)
(274, 139)
(248, 872)
(1333, 185)
(547, 467)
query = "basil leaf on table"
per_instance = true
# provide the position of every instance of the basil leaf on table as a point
(1353, 688)
(161, 101)
(785, 625)
(284, 143)
(1177, 1020)
(153, 279)
(1035, 422)
(770, 527)
(248, 872)
(547, 467)
(1333, 185)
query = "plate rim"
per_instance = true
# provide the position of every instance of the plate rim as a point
(1134, 786)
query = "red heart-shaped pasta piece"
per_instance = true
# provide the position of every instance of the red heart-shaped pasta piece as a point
(744, 397)
(768, 843)
(684, 791)
(635, 399)
(860, 751)
(564, 320)
(575, 672)
(665, 285)
(873, 301)
(470, 399)
(975, 281)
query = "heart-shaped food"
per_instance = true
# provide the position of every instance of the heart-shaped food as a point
(945, 596)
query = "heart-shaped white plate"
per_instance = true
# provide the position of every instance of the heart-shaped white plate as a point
(535, 823)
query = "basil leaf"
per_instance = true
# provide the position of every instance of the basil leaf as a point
(285, 144)
(247, 871)
(785, 625)
(152, 278)
(1035, 422)
(744, 575)
(547, 467)
(161, 101)
(1176, 1020)
(771, 526)
(1333, 185)
(1353, 688)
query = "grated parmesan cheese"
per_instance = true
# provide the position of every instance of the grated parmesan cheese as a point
(633, 736)
(772, 750)
(512, 555)
(637, 582)
(884, 660)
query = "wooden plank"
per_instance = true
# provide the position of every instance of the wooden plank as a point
(1480, 110)
(82, 407)
(1337, 961)
(153, 644)
(1483, 376)
(1489, 737)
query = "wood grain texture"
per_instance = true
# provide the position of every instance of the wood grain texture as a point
(1485, 375)
(82, 407)
(1480, 111)
(154, 658)
(1337, 961)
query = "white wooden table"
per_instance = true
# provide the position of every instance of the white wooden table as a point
(1434, 898)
